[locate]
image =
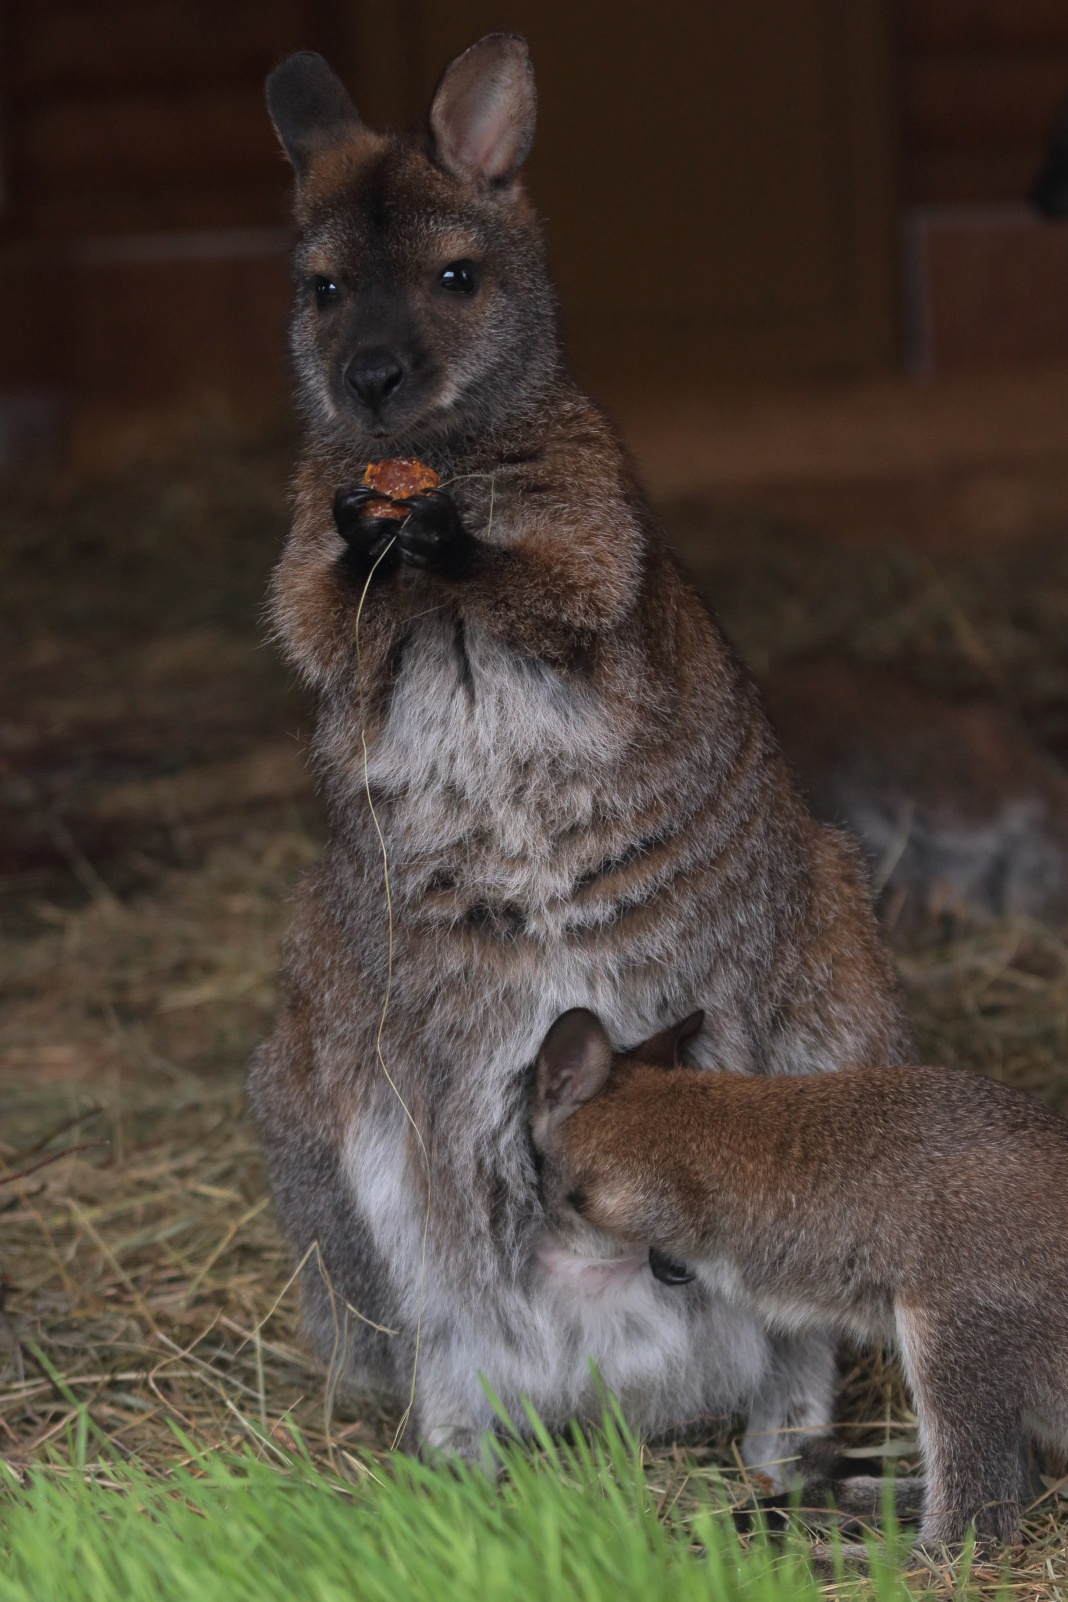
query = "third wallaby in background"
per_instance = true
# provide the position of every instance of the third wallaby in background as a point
(550, 783)
(924, 1206)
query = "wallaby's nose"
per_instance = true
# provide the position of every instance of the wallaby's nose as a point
(373, 375)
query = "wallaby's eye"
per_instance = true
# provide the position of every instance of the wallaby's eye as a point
(326, 291)
(460, 277)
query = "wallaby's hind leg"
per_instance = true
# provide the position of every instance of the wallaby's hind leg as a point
(970, 1428)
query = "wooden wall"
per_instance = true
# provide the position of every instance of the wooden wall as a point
(140, 115)
(718, 179)
(145, 200)
(981, 82)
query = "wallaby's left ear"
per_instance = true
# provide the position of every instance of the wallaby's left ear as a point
(573, 1065)
(665, 1049)
(482, 113)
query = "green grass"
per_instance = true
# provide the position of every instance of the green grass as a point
(577, 1522)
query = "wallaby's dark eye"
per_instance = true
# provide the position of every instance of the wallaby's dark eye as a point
(460, 277)
(326, 291)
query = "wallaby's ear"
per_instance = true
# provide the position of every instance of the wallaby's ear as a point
(665, 1049)
(573, 1064)
(482, 113)
(310, 108)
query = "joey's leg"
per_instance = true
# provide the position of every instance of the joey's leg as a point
(963, 1379)
(793, 1406)
(789, 1438)
(975, 1468)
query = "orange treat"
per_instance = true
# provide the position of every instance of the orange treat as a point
(398, 478)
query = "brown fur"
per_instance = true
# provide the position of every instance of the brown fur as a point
(918, 1203)
(579, 794)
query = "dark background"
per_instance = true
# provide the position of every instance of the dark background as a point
(745, 189)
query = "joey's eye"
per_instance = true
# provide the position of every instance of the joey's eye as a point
(460, 277)
(326, 291)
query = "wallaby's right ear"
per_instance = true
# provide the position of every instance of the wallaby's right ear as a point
(573, 1064)
(310, 107)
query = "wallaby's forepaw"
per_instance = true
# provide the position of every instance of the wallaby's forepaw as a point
(366, 537)
(432, 536)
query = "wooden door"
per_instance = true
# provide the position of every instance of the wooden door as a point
(717, 179)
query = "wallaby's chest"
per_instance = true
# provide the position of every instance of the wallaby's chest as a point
(485, 746)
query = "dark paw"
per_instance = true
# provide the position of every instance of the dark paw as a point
(367, 538)
(432, 536)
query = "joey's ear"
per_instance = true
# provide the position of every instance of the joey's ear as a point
(665, 1049)
(310, 108)
(482, 113)
(573, 1064)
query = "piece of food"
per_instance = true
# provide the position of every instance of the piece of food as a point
(397, 478)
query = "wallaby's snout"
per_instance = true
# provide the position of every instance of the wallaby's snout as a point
(373, 376)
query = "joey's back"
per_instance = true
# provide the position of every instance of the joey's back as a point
(849, 1189)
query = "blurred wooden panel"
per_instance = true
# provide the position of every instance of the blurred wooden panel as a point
(153, 137)
(717, 182)
(981, 84)
(990, 288)
(955, 100)
(956, 177)
(983, 23)
(148, 333)
(122, 44)
(119, 113)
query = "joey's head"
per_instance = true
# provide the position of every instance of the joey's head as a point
(424, 306)
(597, 1129)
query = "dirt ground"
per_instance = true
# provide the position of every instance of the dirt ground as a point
(156, 809)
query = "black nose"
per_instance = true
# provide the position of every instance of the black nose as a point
(373, 375)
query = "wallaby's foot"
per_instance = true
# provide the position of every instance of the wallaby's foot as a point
(449, 1445)
(432, 536)
(826, 1560)
(825, 1487)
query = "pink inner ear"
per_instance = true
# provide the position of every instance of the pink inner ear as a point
(562, 1089)
(485, 139)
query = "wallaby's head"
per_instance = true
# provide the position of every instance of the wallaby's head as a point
(423, 301)
(581, 1116)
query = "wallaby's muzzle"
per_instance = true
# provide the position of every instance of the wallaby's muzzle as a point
(373, 376)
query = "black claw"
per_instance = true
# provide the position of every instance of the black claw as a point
(432, 535)
(366, 537)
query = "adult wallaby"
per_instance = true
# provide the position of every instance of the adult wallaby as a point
(550, 783)
(921, 1205)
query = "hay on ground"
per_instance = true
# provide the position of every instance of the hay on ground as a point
(159, 813)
